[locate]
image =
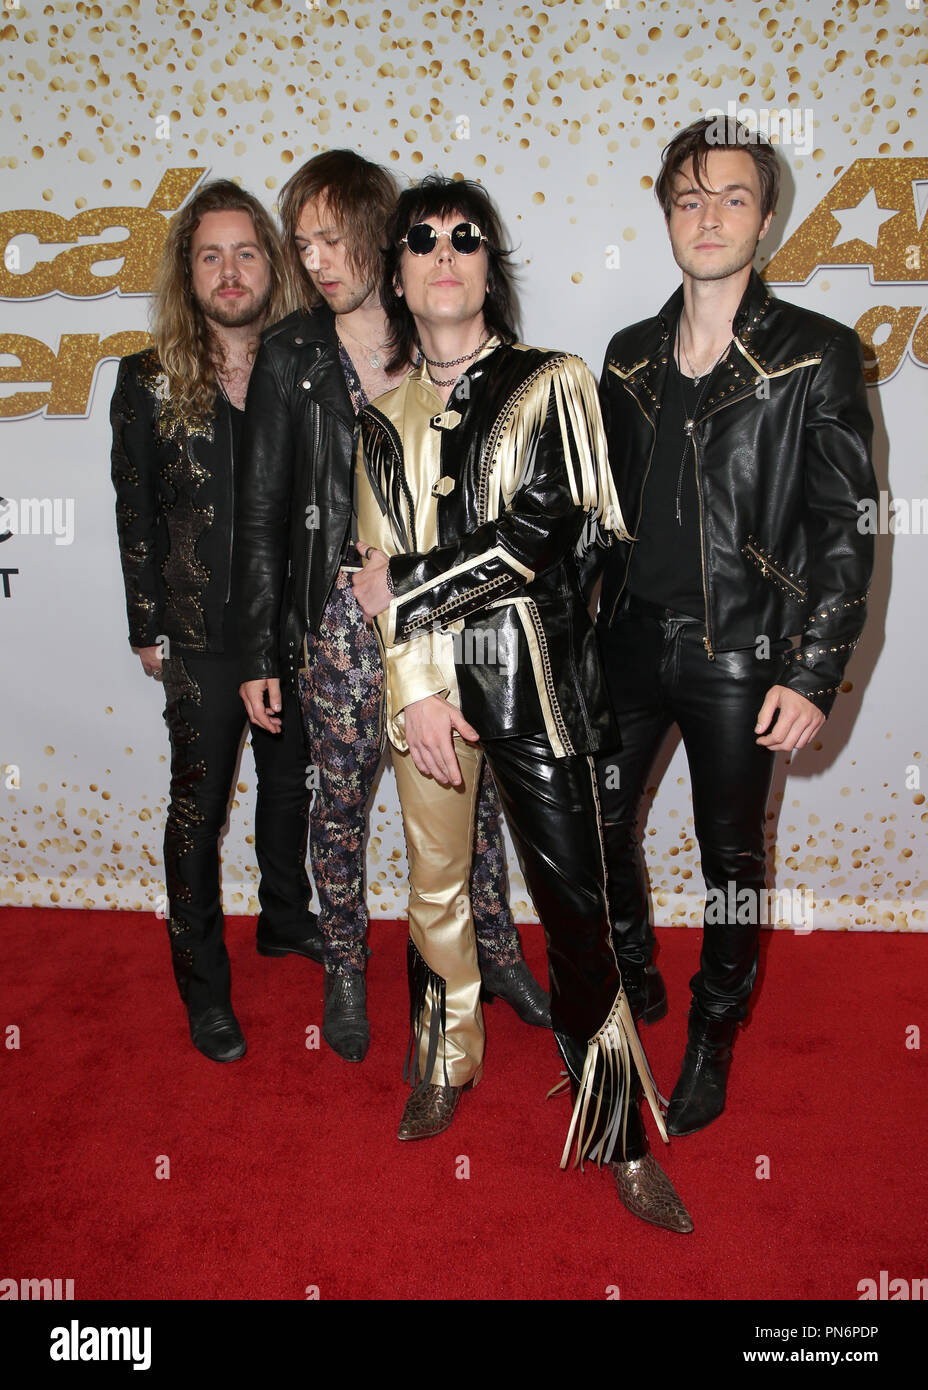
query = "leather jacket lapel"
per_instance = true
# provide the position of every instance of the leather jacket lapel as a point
(320, 373)
(644, 373)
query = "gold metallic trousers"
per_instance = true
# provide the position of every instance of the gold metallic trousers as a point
(439, 826)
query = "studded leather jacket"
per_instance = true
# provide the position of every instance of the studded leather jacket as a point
(782, 448)
(294, 491)
(481, 504)
(174, 507)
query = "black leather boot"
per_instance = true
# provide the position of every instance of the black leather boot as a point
(216, 1033)
(518, 987)
(699, 1095)
(344, 1020)
(309, 944)
(645, 991)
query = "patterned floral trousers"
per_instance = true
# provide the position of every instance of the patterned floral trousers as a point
(340, 696)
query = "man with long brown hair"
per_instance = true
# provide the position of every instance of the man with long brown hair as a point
(177, 416)
(295, 555)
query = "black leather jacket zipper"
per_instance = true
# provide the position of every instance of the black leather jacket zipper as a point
(767, 568)
(738, 396)
(312, 503)
(628, 562)
(707, 640)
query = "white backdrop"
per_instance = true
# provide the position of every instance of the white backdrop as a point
(562, 109)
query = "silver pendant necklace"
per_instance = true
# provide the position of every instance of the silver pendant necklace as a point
(681, 348)
(373, 354)
(689, 423)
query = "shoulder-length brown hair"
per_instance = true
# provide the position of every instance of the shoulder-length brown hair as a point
(185, 345)
(358, 195)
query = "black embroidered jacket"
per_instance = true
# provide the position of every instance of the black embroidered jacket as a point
(174, 510)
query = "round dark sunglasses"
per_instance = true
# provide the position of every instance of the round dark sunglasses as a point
(422, 239)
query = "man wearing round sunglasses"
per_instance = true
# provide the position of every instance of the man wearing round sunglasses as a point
(294, 556)
(477, 477)
(466, 238)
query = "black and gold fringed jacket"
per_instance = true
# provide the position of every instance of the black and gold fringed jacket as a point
(782, 445)
(481, 504)
(174, 508)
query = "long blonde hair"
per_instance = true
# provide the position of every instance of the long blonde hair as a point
(185, 345)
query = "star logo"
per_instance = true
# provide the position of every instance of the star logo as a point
(876, 215)
(863, 221)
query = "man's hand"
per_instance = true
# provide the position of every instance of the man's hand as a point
(252, 693)
(150, 658)
(430, 727)
(798, 720)
(370, 584)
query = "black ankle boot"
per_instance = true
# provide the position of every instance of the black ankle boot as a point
(216, 1033)
(309, 943)
(645, 991)
(518, 987)
(699, 1095)
(344, 1020)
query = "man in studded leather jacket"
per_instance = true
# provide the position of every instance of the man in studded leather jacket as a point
(739, 438)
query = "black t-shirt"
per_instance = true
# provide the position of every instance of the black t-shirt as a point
(230, 628)
(666, 563)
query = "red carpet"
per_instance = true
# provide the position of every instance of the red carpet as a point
(285, 1171)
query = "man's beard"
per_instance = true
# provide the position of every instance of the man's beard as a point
(354, 298)
(238, 314)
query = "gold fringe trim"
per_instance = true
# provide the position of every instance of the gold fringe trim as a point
(382, 462)
(586, 456)
(610, 1055)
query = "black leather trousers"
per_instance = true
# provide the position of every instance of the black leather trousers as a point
(551, 808)
(659, 675)
(206, 721)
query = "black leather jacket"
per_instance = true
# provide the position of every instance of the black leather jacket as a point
(488, 478)
(174, 504)
(783, 458)
(293, 490)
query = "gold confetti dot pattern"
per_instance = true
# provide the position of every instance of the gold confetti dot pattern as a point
(292, 76)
